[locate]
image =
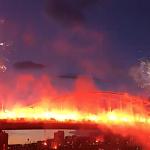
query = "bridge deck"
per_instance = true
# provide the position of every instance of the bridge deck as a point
(28, 125)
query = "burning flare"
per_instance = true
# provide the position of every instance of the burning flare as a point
(116, 116)
(119, 112)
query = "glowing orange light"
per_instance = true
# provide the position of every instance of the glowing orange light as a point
(129, 115)
(122, 114)
(99, 139)
(45, 143)
(55, 147)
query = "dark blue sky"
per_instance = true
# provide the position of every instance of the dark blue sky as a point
(100, 38)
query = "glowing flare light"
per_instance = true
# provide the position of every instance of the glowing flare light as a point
(120, 113)
(106, 117)
(111, 108)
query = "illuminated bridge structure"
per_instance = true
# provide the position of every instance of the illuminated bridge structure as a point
(115, 100)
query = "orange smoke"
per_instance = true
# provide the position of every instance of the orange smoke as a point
(120, 112)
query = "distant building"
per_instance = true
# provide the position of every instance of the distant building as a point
(107, 141)
(3, 140)
(59, 137)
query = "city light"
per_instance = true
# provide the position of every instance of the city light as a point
(45, 143)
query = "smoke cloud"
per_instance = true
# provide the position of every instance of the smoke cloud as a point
(68, 12)
(68, 76)
(39, 91)
(30, 90)
(141, 73)
(25, 65)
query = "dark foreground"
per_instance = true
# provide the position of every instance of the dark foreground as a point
(101, 142)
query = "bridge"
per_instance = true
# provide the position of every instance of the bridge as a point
(31, 125)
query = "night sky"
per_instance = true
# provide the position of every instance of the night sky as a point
(100, 39)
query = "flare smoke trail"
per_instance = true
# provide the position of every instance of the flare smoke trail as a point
(141, 73)
(36, 98)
